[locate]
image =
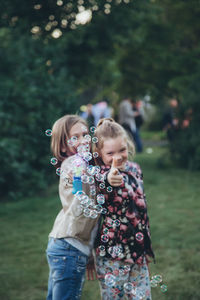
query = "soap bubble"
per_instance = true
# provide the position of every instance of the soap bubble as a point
(58, 171)
(153, 283)
(79, 194)
(139, 236)
(105, 230)
(104, 238)
(87, 138)
(98, 208)
(87, 156)
(95, 154)
(95, 140)
(115, 251)
(48, 132)
(72, 142)
(163, 288)
(157, 278)
(104, 211)
(102, 253)
(99, 177)
(84, 178)
(110, 280)
(116, 223)
(90, 179)
(100, 199)
(83, 148)
(77, 161)
(102, 185)
(98, 169)
(54, 161)
(93, 214)
(74, 139)
(109, 189)
(85, 201)
(101, 248)
(92, 129)
(86, 212)
(91, 170)
(128, 287)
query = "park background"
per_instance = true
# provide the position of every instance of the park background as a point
(56, 56)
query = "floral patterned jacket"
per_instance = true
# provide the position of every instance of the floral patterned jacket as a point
(124, 232)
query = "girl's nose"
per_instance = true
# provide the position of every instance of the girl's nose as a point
(117, 157)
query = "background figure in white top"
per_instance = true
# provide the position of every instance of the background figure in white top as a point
(127, 119)
(98, 111)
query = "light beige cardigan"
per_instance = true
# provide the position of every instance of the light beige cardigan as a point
(70, 222)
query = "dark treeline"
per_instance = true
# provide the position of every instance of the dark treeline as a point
(50, 65)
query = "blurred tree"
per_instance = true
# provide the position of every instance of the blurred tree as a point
(33, 93)
(56, 55)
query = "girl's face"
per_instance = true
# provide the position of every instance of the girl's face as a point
(115, 148)
(79, 131)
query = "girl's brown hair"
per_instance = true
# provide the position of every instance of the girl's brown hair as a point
(60, 135)
(108, 128)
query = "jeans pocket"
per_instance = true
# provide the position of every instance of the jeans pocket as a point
(57, 266)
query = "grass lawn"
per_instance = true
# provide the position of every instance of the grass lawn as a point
(173, 204)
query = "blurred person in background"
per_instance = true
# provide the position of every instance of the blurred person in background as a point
(127, 120)
(139, 120)
(88, 115)
(101, 110)
(94, 112)
(170, 120)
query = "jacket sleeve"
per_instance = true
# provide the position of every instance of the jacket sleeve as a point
(128, 111)
(65, 185)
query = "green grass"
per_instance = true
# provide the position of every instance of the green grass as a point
(173, 204)
(152, 135)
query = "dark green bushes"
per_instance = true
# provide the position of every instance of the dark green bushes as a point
(33, 95)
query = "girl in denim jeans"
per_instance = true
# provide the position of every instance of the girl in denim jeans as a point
(72, 235)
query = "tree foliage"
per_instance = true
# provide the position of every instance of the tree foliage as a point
(51, 64)
(34, 93)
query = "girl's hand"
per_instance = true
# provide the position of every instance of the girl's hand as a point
(114, 177)
(69, 178)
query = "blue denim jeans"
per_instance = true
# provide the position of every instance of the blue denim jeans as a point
(67, 267)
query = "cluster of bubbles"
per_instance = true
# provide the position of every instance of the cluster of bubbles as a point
(112, 280)
(87, 205)
(91, 209)
(115, 251)
(119, 278)
(89, 174)
(156, 281)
